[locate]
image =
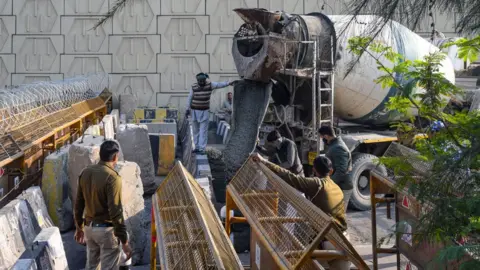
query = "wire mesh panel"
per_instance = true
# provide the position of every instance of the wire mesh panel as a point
(8, 148)
(189, 232)
(291, 225)
(420, 166)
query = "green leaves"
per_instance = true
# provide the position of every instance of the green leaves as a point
(468, 49)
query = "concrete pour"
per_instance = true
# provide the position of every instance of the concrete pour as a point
(135, 143)
(251, 99)
(128, 104)
(17, 232)
(55, 189)
(81, 155)
(34, 198)
(47, 251)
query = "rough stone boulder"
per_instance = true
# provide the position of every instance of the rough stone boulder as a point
(39, 214)
(135, 144)
(136, 219)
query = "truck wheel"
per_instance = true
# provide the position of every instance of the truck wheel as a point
(362, 164)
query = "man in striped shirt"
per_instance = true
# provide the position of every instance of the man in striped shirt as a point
(198, 104)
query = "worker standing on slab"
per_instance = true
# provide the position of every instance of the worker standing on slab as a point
(99, 195)
(199, 104)
(322, 192)
(341, 158)
(282, 152)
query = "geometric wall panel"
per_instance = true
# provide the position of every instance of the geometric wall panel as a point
(134, 54)
(178, 101)
(77, 65)
(18, 79)
(86, 7)
(223, 20)
(6, 7)
(137, 17)
(330, 7)
(7, 29)
(143, 86)
(178, 71)
(292, 6)
(183, 7)
(37, 54)
(38, 16)
(7, 67)
(80, 38)
(220, 95)
(181, 34)
(220, 50)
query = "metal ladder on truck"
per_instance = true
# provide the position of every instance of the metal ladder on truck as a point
(323, 97)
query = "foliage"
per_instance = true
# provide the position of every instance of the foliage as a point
(449, 191)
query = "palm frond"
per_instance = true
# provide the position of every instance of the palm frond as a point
(117, 6)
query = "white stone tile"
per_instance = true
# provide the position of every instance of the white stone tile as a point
(223, 20)
(37, 54)
(18, 79)
(6, 7)
(7, 29)
(80, 38)
(134, 54)
(136, 17)
(219, 49)
(77, 65)
(184, 7)
(178, 71)
(86, 7)
(7, 67)
(291, 6)
(330, 7)
(38, 17)
(143, 87)
(183, 34)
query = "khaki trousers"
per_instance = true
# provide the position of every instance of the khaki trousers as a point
(335, 264)
(103, 248)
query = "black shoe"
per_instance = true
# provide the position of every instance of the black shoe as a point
(195, 151)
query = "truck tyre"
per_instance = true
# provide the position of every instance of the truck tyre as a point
(362, 164)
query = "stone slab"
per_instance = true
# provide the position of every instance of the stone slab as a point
(169, 128)
(25, 264)
(133, 209)
(17, 232)
(94, 130)
(108, 127)
(39, 214)
(135, 143)
(81, 155)
(204, 182)
(55, 189)
(166, 153)
(128, 104)
(116, 118)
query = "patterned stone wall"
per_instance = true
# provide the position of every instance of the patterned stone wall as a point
(153, 48)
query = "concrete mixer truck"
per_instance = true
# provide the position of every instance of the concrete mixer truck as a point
(294, 79)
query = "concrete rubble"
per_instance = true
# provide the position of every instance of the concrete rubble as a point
(135, 143)
(136, 219)
(81, 155)
(39, 214)
(128, 104)
(47, 252)
(17, 232)
(55, 189)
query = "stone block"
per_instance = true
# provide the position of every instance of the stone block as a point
(55, 189)
(108, 127)
(204, 182)
(203, 168)
(93, 130)
(17, 232)
(135, 143)
(82, 153)
(133, 209)
(168, 128)
(39, 214)
(163, 152)
(116, 118)
(225, 134)
(128, 104)
(25, 264)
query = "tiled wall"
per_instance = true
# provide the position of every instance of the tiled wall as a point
(153, 48)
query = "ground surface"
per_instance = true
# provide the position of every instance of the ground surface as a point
(359, 230)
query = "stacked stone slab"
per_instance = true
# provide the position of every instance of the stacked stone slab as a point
(116, 119)
(17, 232)
(39, 212)
(135, 143)
(128, 104)
(82, 153)
(93, 130)
(47, 252)
(108, 127)
(135, 217)
(55, 189)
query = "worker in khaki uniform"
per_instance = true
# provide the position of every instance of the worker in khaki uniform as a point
(99, 195)
(321, 191)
